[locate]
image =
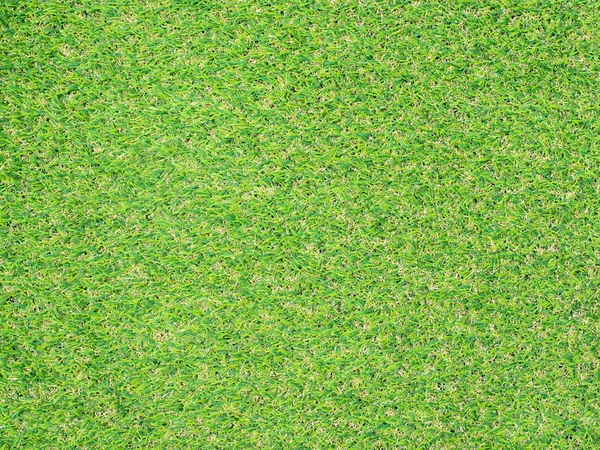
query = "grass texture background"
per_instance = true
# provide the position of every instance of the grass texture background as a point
(299, 224)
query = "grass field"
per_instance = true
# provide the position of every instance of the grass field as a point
(299, 224)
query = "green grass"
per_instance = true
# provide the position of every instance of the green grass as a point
(299, 225)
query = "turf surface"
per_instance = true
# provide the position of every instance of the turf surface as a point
(246, 224)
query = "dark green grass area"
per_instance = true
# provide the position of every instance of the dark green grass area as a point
(299, 225)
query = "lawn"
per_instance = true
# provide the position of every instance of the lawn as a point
(299, 224)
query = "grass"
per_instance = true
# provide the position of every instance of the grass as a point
(304, 225)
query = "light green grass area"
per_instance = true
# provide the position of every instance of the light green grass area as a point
(299, 225)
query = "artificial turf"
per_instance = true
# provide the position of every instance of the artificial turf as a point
(299, 224)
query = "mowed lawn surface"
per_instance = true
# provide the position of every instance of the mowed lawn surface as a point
(299, 225)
